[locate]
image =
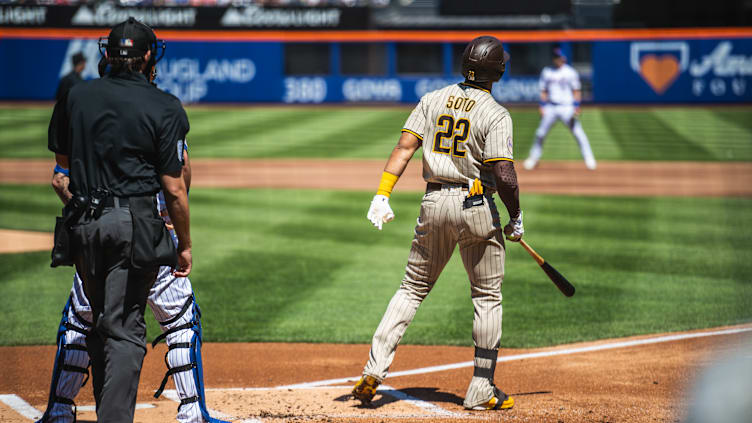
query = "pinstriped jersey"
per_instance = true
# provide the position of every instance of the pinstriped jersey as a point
(463, 132)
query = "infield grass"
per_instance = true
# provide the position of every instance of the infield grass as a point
(306, 266)
(616, 133)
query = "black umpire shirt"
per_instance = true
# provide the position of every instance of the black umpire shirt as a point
(120, 133)
(66, 83)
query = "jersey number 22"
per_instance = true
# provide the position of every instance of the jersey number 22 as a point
(457, 131)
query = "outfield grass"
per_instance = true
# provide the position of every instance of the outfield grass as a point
(291, 265)
(649, 133)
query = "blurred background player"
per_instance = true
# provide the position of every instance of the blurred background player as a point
(561, 94)
(73, 77)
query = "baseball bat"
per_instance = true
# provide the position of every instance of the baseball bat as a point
(557, 278)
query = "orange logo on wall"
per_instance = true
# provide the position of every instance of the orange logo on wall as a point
(659, 70)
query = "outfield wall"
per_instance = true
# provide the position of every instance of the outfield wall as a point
(628, 66)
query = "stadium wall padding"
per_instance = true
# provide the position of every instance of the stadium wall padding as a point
(641, 71)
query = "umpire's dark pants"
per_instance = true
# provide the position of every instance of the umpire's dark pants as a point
(117, 342)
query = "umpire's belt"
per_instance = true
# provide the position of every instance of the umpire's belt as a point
(116, 202)
(146, 201)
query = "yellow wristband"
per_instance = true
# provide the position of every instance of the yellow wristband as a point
(387, 184)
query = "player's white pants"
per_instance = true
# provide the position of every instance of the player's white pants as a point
(552, 113)
(167, 299)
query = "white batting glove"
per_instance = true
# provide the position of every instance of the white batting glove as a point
(380, 212)
(514, 229)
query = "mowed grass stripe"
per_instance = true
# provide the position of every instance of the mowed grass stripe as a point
(343, 133)
(738, 116)
(726, 140)
(638, 132)
(317, 133)
(246, 133)
(306, 266)
(615, 133)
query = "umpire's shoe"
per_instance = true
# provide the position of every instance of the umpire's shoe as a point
(365, 389)
(500, 401)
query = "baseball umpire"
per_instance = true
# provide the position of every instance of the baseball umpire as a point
(122, 140)
(467, 157)
(175, 307)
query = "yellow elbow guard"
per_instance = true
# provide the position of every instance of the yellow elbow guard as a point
(387, 184)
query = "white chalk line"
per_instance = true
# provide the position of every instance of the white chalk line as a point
(566, 351)
(424, 405)
(21, 407)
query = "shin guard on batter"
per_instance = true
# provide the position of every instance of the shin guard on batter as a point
(183, 359)
(70, 371)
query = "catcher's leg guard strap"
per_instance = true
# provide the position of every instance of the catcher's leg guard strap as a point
(188, 325)
(186, 306)
(171, 372)
(164, 335)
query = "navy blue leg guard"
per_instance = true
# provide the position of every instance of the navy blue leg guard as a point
(70, 371)
(183, 332)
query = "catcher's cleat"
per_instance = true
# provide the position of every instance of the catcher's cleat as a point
(365, 389)
(500, 401)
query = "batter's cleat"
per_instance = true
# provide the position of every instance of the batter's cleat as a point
(529, 164)
(365, 389)
(500, 401)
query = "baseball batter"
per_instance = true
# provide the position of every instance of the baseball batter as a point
(467, 156)
(561, 93)
(173, 303)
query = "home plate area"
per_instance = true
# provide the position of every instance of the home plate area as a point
(325, 404)
(637, 379)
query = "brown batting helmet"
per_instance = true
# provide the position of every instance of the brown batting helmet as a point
(484, 59)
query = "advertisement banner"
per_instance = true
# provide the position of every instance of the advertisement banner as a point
(227, 72)
(222, 71)
(339, 89)
(682, 71)
(106, 15)
(192, 71)
(685, 71)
